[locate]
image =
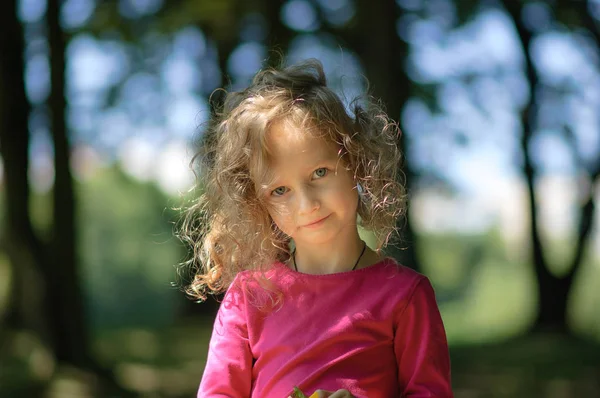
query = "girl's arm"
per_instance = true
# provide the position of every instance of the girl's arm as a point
(228, 371)
(421, 347)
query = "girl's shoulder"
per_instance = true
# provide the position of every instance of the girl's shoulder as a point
(388, 272)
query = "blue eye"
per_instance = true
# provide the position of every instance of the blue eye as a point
(320, 172)
(279, 191)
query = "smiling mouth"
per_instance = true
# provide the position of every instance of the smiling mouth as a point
(317, 222)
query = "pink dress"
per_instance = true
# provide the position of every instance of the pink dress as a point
(375, 331)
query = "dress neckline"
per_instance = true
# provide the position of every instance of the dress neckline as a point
(381, 263)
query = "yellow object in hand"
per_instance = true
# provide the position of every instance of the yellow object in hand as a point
(299, 394)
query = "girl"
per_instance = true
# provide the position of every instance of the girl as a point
(287, 175)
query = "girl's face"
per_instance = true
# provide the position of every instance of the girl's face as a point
(312, 197)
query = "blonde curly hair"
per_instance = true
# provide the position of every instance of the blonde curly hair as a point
(228, 226)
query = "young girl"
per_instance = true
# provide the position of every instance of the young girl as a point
(287, 176)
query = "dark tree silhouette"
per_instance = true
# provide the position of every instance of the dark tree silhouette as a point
(24, 249)
(553, 291)
(69, 327)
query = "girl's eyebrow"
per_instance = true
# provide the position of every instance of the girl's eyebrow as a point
(271, 180)
(328, 158)
(270, 183)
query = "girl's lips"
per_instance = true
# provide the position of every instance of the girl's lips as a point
(316, 223)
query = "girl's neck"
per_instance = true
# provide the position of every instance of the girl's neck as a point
(333, 257)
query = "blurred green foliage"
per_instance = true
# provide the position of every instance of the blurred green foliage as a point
(128, 251)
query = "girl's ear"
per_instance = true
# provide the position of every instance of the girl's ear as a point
(360, 189)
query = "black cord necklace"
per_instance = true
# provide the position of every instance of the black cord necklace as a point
(353, 268)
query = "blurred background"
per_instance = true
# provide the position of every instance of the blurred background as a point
(101, 103)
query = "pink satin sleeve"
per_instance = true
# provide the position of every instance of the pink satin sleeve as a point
(421, 347)
(228, 371)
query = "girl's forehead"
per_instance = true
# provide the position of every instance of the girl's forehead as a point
(285, 136)
(290, 149)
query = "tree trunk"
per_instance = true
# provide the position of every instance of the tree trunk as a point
(383, 54)
(553, 291)
(24, 250)
(65, 304)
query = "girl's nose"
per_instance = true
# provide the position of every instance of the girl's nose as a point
(308, 201)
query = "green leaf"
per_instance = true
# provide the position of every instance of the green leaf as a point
(298, 393)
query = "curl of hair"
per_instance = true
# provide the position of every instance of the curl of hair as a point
(228, 226)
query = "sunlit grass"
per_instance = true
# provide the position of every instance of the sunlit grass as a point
(495, 296)
(497, 304)
(71, 382)
(584, 304)
(168, 361)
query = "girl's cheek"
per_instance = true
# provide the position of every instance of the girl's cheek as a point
(282, 217)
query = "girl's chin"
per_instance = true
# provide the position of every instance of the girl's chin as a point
(322, 239)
